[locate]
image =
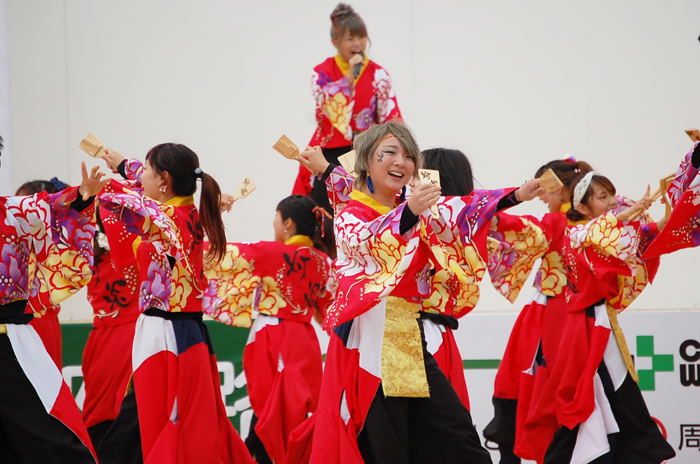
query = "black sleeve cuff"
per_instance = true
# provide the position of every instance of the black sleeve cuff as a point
(696, 157)
(408, 220)
(507, 201)
(328, 172)
(121, 169)
(80, 205)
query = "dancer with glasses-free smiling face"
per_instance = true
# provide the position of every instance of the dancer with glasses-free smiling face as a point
(372, 382)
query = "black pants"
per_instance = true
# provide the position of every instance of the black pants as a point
(255, 446)
(436, 430)
(639, 440)
(28, 434)
(121, 443)
(98, 431)
(501, 429)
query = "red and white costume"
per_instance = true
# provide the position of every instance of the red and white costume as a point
(534, 340)
(591, 394)
(181, 414)
(383, 276)
(285, 283)
(46, 257)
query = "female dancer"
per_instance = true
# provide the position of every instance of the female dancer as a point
(46, 256)
(45, 320)
(383, 272)
(598, 405)
(181, 415)
(535, 335)
(287, 282)
(439, 314)
(351, 93)
(113, 295)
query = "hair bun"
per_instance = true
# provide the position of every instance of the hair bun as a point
(341, 12)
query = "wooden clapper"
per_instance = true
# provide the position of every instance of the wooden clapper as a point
(244, 189)
(550, 182)
(347, 161)
(92, 146)
(286, 148)
(430, 176)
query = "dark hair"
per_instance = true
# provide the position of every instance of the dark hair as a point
(566, 170)
(309, 220)
(456, 179)
(35, 186)
(182, 164)
(601, 181)
(344, 19)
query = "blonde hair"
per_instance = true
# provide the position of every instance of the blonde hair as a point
(366, 142)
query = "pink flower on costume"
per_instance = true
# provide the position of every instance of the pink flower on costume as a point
(385, 92)
(155, 293)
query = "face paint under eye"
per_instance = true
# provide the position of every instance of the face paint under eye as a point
(380, 155)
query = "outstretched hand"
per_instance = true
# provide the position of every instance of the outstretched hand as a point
(93, 183)
(312, 158)
(113, 159)
(638, 207)
(529, 190)
(226, 202)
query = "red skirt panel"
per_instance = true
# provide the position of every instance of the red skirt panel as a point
(106, 371)
(181, 413)
(49, 330)
(283, 367)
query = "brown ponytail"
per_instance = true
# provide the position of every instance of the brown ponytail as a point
(183, 166)
(210, 214)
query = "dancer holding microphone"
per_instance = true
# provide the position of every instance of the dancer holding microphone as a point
(351, 93)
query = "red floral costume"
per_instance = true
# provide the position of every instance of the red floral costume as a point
(46, 257)
(181, 414)
(534, 340)
(383, 277)
(343, 110)
(591, 393)
(286, 283)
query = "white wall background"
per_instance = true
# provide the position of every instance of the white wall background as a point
(512, 84)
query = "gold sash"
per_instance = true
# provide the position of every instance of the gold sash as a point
(403, 366)
(621, 342)
(3, 329)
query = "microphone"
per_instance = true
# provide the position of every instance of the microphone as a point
(358, 67)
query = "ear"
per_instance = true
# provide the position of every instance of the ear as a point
(583, 209)
(288, 223)
(165, 177)
(335, 43)
(563, 192)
